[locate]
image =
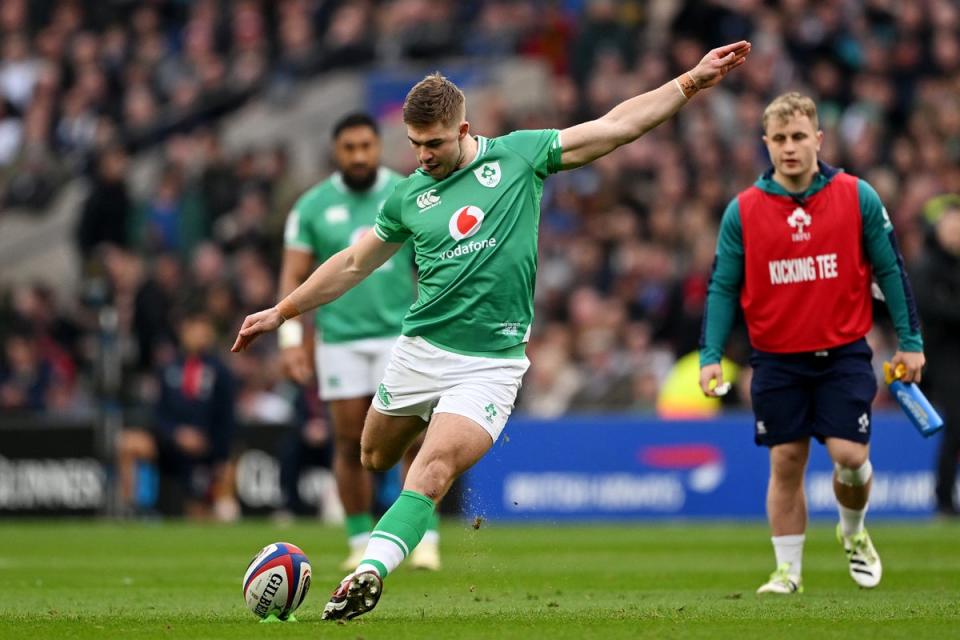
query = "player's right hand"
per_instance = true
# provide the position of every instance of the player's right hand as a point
(254, 325)
(709, 373)
(719, 62)
(296, 364)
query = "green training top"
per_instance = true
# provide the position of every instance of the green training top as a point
(327, 219)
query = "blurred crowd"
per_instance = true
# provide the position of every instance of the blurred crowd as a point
(626, 244)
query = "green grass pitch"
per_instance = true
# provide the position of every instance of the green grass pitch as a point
(686, 580)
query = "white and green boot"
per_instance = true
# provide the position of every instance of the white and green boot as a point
(781, 582)
(862, 557)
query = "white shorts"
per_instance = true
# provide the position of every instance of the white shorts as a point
(422, 379)
(352, 369)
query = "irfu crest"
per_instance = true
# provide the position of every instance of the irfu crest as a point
(488, 174)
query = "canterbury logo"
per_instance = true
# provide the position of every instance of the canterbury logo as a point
(428, 199)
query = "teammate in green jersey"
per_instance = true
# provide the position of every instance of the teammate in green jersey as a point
(471, 210)
(356, 333)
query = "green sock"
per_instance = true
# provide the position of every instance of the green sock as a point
(400, 530)
(359, 526)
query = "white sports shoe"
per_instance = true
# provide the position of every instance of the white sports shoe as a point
(353, 560)
(425, 555)
(781, 582)
(862, 557)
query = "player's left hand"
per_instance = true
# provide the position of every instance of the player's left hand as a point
(912, 362)
(719, 62)
(254, 325)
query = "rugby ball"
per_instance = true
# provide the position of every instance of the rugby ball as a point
(276, 581)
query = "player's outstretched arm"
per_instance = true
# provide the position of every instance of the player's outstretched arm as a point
(328, 282)
(584, 143)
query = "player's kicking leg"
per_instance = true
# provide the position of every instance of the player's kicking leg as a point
(426, 555)
(852, 478)
(787, 510)
(452, 445)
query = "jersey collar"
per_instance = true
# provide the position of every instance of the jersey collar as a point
(824, 175)
(482, 144)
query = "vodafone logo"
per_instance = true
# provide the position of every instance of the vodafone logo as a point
(465, 222)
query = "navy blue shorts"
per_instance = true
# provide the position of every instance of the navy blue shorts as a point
(824, 394)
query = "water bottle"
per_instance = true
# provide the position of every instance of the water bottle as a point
(908, 395)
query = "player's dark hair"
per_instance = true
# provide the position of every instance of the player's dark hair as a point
(434, 99)
(355, 119)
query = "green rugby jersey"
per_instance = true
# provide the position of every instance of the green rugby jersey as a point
(327, 219)
(475, 241)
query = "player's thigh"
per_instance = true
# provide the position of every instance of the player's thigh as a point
(386, 437)
(782, 401)
(453, 444)
(348, 416)
(844, 398)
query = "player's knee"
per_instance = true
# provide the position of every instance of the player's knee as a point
(853, 475)
(788, 462)
(433, 478)
(850, 455)
(375, 460)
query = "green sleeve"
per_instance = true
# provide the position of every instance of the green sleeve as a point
(298, 232)
(389, 225)
(888, 269)
(724, 289)
(539, 147)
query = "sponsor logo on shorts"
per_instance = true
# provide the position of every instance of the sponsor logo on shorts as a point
(384, 395)
(491, 410)
(864, 422)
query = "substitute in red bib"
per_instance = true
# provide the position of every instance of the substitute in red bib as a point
(800, 248)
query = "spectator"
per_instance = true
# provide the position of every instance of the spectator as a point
(192, 427)
(937, 283)
(106, 213)
(28, 381)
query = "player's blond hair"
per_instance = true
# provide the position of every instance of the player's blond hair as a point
(784, 106)
(434, 99)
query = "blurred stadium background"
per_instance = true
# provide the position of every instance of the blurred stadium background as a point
(150, 152)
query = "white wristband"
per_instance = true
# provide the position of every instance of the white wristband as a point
(290, 334)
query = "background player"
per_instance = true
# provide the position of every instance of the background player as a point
(797, 248)
(356, 332)
(472, 209)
